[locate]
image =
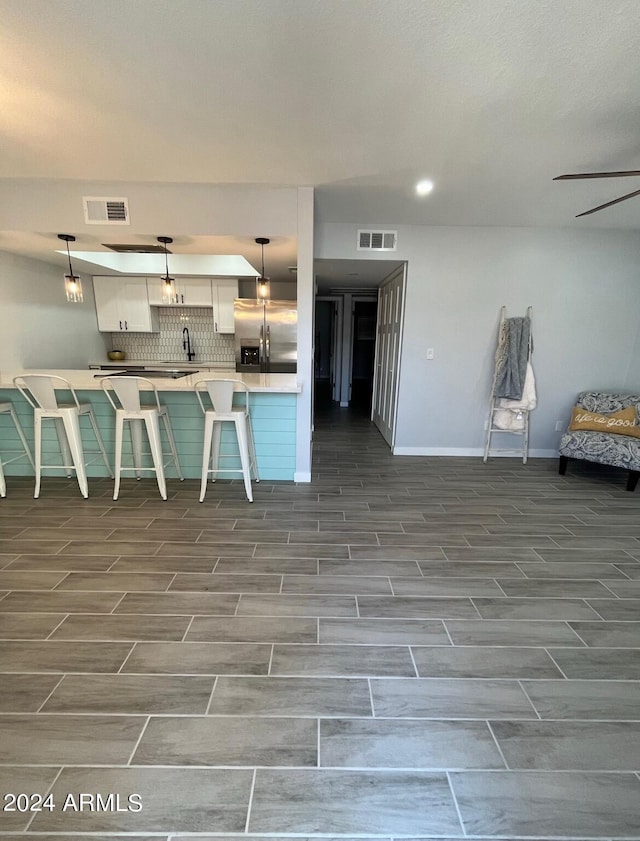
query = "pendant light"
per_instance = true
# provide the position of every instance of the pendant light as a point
(263, 284)
(72, 282)
(169, 295)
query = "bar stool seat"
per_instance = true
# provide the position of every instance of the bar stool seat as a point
(39, 390)
(221, 393)
(124, 395)
(7, 408)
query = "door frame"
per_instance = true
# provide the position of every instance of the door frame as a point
(337, 319)
(365, 296)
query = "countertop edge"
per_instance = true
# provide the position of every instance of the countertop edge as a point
(86, 380)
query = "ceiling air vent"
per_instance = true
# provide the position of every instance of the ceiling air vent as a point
(377, 240)
(105, 211)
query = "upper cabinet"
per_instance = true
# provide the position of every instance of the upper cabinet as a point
(217, 292)
(130, 303)
(190, 292)
(225, 291)
(122, 304)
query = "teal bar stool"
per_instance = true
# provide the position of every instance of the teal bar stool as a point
(7, 408)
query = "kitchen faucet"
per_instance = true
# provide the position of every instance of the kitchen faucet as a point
(186, 344)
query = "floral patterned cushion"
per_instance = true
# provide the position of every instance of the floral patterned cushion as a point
(603, 447)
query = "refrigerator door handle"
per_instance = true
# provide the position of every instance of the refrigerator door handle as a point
(261, 352)
(268, 343)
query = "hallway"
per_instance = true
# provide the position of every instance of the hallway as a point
(407, 647)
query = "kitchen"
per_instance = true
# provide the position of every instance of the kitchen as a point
(40, 329)
(191, 331)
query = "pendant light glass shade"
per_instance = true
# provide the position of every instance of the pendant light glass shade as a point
(264, 289)
(72, 282)
(73, 288)
(169, 293)
(263, 284)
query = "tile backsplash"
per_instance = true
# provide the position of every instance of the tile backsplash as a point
(208, 345)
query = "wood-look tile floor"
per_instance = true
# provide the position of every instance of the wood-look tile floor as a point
(407, 647)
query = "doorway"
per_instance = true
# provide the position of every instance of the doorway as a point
(347, 339)
(363, 351)
(327, 358)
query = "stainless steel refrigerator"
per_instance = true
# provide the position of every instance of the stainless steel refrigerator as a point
(266, 336)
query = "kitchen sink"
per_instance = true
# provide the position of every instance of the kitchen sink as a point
(163, 373)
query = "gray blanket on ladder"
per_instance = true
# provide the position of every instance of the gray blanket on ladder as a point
(511, 357)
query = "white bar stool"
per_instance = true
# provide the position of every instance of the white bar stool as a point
(7, 408)
(39, 390)
(128, 407)
(221, 395)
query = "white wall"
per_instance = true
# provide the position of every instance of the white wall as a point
(306, 302)
(39, 204)
(38, 327)
(632, 380)
(584, 287)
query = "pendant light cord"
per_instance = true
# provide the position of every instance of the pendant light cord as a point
(262, 249)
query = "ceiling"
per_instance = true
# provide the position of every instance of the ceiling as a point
(351, 274)
(279, 256)
(358, 98)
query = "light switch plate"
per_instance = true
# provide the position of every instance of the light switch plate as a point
(429, 353)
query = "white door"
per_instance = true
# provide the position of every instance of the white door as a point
(388, 345)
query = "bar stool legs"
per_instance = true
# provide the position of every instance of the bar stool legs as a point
(245, 459)
(220, 395)
(172, 442)
(211, 451)
(67, 423)
(124, 395)
(155, 444)
(7, 408)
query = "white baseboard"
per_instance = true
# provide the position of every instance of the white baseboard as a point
(344, 404)
(465, 451)
(302, 476)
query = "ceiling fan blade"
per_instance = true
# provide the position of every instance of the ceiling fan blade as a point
(629, 172)
(609, 203)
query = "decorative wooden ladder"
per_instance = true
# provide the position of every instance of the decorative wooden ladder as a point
(491, 428)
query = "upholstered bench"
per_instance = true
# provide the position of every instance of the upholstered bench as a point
(599, 443)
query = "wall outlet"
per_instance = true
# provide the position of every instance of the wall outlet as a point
(429, 353)
(559, 426)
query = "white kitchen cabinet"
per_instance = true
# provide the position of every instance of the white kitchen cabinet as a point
(122, 305)
(190, 292)
(225, 291)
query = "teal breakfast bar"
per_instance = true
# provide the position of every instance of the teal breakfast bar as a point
(272, 400)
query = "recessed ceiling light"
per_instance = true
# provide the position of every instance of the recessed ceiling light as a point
(423, 188)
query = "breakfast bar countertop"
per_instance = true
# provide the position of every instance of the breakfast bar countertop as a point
(89, 380)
